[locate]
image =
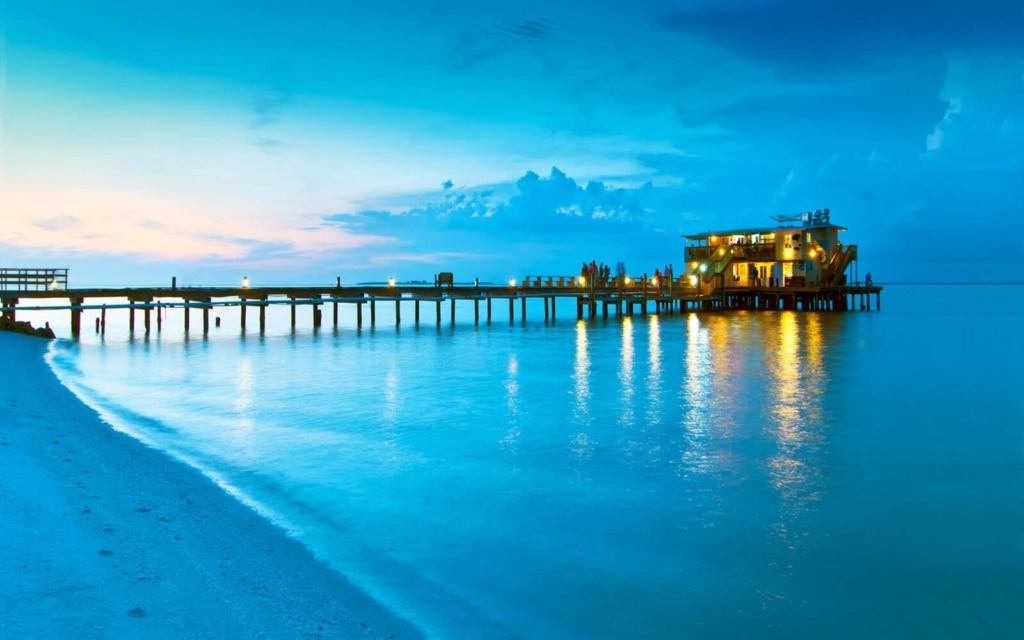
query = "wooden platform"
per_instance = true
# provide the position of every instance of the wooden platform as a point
(637, 298)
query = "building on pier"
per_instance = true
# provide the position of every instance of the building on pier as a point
(802, 251)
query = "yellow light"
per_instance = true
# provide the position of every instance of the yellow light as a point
(703, 268)
(654, 282)
(245, 282)
(693, 266)
(511, 282)
(693, 281)
(582, 281)
(391, 282)
(628, 280)
(811, 253)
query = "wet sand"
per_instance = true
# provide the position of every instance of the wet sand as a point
(104, 537)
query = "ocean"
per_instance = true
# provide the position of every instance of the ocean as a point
(688, 475)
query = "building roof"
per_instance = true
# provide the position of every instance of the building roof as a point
(762, 231)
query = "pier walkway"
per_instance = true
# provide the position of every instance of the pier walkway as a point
(638, 297)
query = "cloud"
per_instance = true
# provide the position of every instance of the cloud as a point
(473, 47)
(815, 36)
(267, 111)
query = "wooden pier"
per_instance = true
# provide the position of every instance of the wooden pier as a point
(638, 297)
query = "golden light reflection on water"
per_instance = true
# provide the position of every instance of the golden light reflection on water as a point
(798, 380)
(654, 385)
(626, 356)
(581, 445)
(512, 401)
(696, 395)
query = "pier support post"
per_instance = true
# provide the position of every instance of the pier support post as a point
(159, 317)
(292, 305)
(476, 311)
(523, 308)
(76, 317)
(146, 315)
(336, 312)
(553, 307)
(206, 319)
(131, 316)
(511, 310)
(263, 316)
(546, 309)
(103, 321)
(398, 312)
(317, 318)
(359, 315)
(453, 310)
(488, 309)
(186, 308)
(241, 311)
(438, 305)
(416, 312)
(373, 313)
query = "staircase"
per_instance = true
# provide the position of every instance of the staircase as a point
(838, 263)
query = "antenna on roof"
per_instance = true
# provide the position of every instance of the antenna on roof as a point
(785, 219)
(807, 218)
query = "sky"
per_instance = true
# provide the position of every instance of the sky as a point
(303, 141)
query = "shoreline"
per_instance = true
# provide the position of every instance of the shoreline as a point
(104, 536)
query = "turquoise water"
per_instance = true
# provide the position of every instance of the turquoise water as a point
(773, 474)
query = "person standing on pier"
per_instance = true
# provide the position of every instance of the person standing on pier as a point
(867, 279)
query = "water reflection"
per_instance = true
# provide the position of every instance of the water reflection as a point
(512, 401)
(581, 446)
(581, 377)
(626, 373)
(797, 386)
(654, 384)
(696, 401)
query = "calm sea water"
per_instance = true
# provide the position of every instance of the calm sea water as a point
(776, 474)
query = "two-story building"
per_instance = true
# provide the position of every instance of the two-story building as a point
(806, 255)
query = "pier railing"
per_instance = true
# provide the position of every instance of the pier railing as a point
(33, 279)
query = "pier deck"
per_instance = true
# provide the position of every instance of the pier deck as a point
(639, 297)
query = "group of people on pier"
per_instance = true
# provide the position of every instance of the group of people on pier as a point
(600, 274)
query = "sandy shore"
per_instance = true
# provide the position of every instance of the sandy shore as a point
(103, 537)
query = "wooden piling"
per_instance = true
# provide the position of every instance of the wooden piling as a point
(206, 319)
(398, 311)
(488, 309)
(187, 309)
(103, 321)
(373, 312)
(438, 305)
(453, 310)
(131, 317)
(263, 316)
(416, 311)
(511, 310)
(241, 312)
(336, 309)
(476, 311)
(76, 317)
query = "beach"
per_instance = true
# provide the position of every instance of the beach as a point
(105, 537)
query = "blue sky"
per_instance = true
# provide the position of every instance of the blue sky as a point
(302, 141)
